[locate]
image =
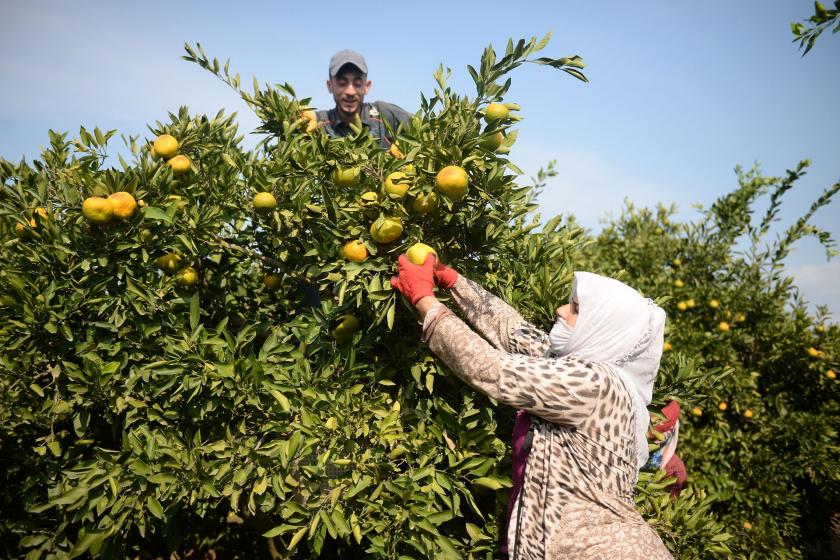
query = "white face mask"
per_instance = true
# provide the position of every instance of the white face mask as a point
(559, 336)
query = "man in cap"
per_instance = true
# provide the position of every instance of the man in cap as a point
(348, 83)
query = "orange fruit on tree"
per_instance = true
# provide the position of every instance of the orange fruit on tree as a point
(748, 413)
(496, 112)
(697, 411)
(355, 251)
(491, 143)
(425, 203)
(179, 164)
(723, 406)
(418, 252)
(830, 374)
(168, 262)
(814, 353)
(682, 306)
(369, 198)
(187, 276)
(386, 229)
(396, 184)
(395, 151)
(21, 230)
(678, 283)
(714, 304)
(98, 210)
(271, 281)
(311, 118)
(165, 146)
(123, 204)
(666, 346)
(690, 303)
(723, 326)
(264, 202)
(347, 327)
(346, 177)
(453, 181)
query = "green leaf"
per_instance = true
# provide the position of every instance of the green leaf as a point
(154, 507)
(155, 213)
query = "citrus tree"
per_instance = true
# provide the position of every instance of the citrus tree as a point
(761, 441)
(201, 349)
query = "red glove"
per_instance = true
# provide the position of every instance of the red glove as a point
(445, 277)
(415, 282)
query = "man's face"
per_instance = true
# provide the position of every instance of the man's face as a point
(348, 88)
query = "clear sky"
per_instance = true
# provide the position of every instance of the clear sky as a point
(680, 92)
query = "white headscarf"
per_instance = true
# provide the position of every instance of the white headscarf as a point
(619, 328)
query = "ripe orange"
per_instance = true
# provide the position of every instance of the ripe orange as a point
(345, 329)
(690, 303)
(723, 406)
(355, 251)
(311, 118)
(272, 281)
(417, 253)
(264, 202)
(165, 146)
(496, 112)
(42, 212)
(425, 203)
(813, 352)
(168, 262)
(395, 151)
(678, 283)
(697, 411)
(386, 229)
(747, 525)
(179, 164)
(830, 374)
(98, 210)
(346, 177)
(452, 181)
(369, 198)
(748, 413)
(666, 346)
(682, 306)
(714, 304)
(187, 276)
(22, 232)
(396, 185)
(724, 326)
(123, 204)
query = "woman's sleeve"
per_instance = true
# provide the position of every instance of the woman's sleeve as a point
(562, 391)
(497, 321)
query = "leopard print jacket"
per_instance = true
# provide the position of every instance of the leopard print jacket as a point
(576, 500)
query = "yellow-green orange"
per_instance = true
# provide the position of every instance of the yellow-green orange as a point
(355, 250)
(168, 262)
(418, 252)
(386, 229)
(491, 143)
(179, 164)
(425, 203)
(98, 210)
(452, 181)
(346, 328)
(187, 276)
(346, 177)
(396, 184)
(165, 146)
(123, 205)
(264, 202)
(369, 197)
(496, 112)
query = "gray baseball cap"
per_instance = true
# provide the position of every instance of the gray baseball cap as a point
(341, 58)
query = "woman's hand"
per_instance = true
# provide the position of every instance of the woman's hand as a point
(415, 282)
(445, 277)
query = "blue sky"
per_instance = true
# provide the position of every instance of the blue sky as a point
(680, 92)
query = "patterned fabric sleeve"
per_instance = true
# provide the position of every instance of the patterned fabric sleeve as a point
(497, 321)
(562, 391)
